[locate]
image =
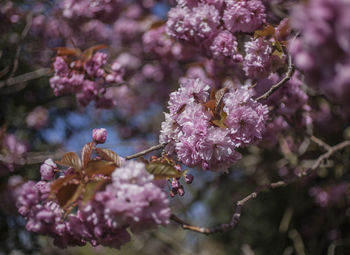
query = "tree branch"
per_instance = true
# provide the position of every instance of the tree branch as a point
(144, 152)
(286, 78)
(240, 204)
(25, 77)
(235, 217)
(320, 143)
(30, 158)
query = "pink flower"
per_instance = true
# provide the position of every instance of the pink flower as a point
(244, 16)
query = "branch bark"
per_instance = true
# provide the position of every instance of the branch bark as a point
(25, 77)
(276, 86)
(144, 152)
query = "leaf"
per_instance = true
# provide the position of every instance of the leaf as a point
(90, 190)
(277, 53)
(86, 153)
(110, 155)
(69, 194)
(221, 121)
(63, 51)
(87, 54)
(210, 104)
(219, 96)
(163, 170)
(62, 181)
(96, 167)
(267, 31)
(284, 30)
(70, 159)
(278, 46)
(157, 24)
(212, 93)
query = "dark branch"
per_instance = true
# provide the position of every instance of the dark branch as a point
(25, 77)
(30, 158)
(286, 78)
(320, 143)
(240, 204)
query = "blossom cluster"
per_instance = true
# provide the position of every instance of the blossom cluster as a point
(88, 79)
(12, 148)
(91, 9)
(323, 24)
(131, 200)
(215, 26)
(199, 137)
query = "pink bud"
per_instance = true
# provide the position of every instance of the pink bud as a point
(99, 135)
(189, 178)
(47, 170)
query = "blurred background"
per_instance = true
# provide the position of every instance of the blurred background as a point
(310, 216)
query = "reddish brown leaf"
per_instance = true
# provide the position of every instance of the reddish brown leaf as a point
(267, 31)
(87, 54)
(110, 155)
(284, 30)
(62, 181)
(69, 194)
(157, 24)
(63, 51)
(210, 104)
(212, 94)
(96, 167)
(86, 153)
(70, 159)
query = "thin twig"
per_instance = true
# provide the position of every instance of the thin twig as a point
(239, 205)
(29, 21)
(25, 77)
(30, 158)
(144, 152)
(320, 143)
(286, 78)
(235, 217)
(325, 156)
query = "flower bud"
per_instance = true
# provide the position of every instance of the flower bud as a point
(99, 135)
(175, 184)
(181, 191)
(47, 170)
(188, 178)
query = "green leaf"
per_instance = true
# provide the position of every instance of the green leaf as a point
(221, 121)
(163, 170)
(70, 159)
(90, 190)
(110, 155)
